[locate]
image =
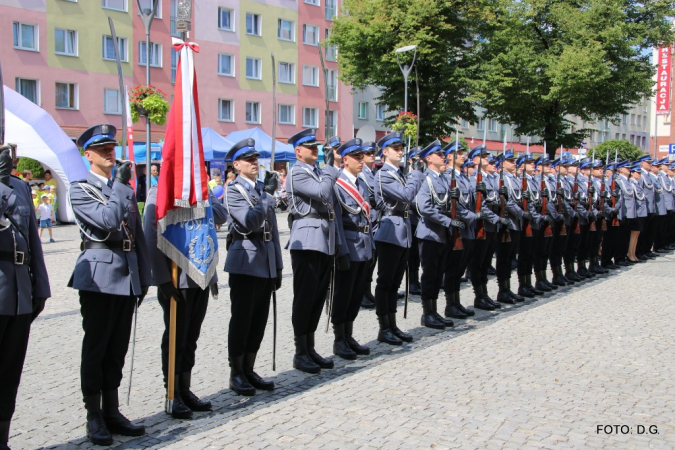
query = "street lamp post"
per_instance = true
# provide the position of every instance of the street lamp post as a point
(406, 69)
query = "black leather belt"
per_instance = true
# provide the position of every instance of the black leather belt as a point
(263, 235)
(125, 245)
(17, 258)
(360, 228)
(404, 214)
(314, 215)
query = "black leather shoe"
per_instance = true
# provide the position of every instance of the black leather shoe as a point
(179, 409)
(468, 312)
(504, 297)
(189, 398)
(343, 350)
(366, 301)
(402, 335)
(428, 318)
(523, 291)
(651, 255)
(454, 312)
(97, 431)
(623, 263)
(358, 348)
(324, 363)
(415, 288)
(444, 320)
(301, 359)
(239, 384)
(542, 287)
(115, 420)
(385, 334)
(482, 303)
(256, 380)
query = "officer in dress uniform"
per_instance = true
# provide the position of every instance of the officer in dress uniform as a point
(586, 216)
(669, 200)
(661, 210)
(415, 287)
(112, 275)
(394, 191)
(24, 284)
(610, 235)
(481, 256)
(639, 226)
(646, 182)
(316, 240)
(334, 143)
(627, 213)
(550, 217)
(433, 232)
(670, 171)
(254, 265)
(573, 233)
(350, 283)
(561, 231)
(192, 303)
(367, 175)
(600, 193)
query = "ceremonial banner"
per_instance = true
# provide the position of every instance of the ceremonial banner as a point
(185, 228)
(663, 81)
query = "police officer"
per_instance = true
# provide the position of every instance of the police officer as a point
(316, 240)
(669, 201)
(334, 143)
(192, 303)
(414, 285)
(646, 239)
(25, 284)
(573, 228)
(254, 264)
(531, 215)
(394, 191)
(561, 195)
(112, 275)
(610, 235)
(627, 213)
(367, 175)
(586, 198)
(599, 197)
(351, 193)
(660, 204)
(543, 236)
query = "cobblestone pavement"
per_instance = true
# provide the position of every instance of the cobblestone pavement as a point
(543, 374)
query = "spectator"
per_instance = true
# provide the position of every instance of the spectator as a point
(140, 184)
(154, 175)
(36, 200)
(230, 177)
(46, 215)
(49, 180)
(216, 179)
(27, 176)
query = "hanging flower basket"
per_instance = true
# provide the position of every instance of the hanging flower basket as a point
(150, 102)
(406, 123)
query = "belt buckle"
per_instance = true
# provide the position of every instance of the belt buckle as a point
(331, 215)
(126, 245)
(19, 258)
(267, 236)
(406, 213)
(366, 229)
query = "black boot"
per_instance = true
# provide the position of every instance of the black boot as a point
(97, 431)
(544, 279)
(533, 289)
(115, 420)
(513, 295)
(301, 360)
(558, 278)
(583, 271)
(386, 334)
(446, 321)
(4, 434)
(428, 318)
(402, 335)
(179, 410)
(540, 284)
(503, 295)
(451, 309)
(570, 273)
(358, 348)
(368, 301)
(523, 290)
(461, 307)
(340, 346)
(324, 363)
(480, 301)
(487, 297)
(597, 268)
(238, 381)
(415, 288)
(256, 380)
(189, 398)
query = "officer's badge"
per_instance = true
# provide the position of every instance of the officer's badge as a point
(397, 134)
(104, 129)
(250, 142)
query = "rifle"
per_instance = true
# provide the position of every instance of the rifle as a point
(592, 226)
(602, 190)
(615, 219)
(480, 228)
(456, 238)
(523, 189)
(506, 235)
(575, 191)
(561, 199)
(546, 225)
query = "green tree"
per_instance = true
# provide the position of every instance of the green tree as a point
(623, 149)
(368, 31)
(541, 61)
(30, 164)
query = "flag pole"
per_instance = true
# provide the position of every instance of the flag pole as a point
(172, 343)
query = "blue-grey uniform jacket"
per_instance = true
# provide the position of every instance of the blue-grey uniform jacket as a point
(368, 177)
(466, 204)
(105, 270)
(626, 201)
(534, 203)
(312, 203)
(668, 194)
(551, 202)
(355, 223)
(659, 197)
(20, 283)
(513, 186)
(647, 188)
(582, 204)
(161, 264)
(489, 202)
(606, 207)
(255, 256)
(640, 199)
(566, 209)
(395, 193)
(434, 209)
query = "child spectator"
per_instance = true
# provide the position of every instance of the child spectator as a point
(46, 215)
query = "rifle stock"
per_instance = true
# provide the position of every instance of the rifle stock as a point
(526, 223)
(544, 201)
(575, 220)
(456, 238)
(480, 228)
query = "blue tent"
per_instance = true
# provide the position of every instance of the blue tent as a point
(263, 144)
(215, 146)
(139, 152)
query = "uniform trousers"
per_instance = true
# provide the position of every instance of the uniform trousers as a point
(505, 252)
(350, 285)
(250, 306)
(609, 242)
(391, 265)
(106, 320)
(660, 239)
(671, 227)
(646, 238)
(623, 240)
(190, 314)
(414, 258)
(595, 239)
(14, 332)
(542, 248)
(583, 247)
(481, 257)
(457, 262)
(558, 244)
(433, 256)
(573, 240)
(311, 275)
(525, 254)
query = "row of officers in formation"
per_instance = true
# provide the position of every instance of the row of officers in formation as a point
(343, 219)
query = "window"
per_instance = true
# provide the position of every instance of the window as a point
(174, 65)
(286, 73)
(252, 112)
(623, 136)
(331, 50)
(29, 89)
(226, 65)
(286, 30)
(379, 113)
(253, 22)
(253, 68)
(493, 125)
(65, 42)
(632, 119)
(225, 19)
(225, 110)
(332, 123)
(331, 81)
(310, 76)
(120, 5)
(639, 120)
(465, 124)
(310, 35)
(331, 9)
(25, 36)
(363, 110)
(155, 54)
(147, 4)
(112, 103)
(624, 119)
(616, 136)
(310, 118)
(66, 96)
(109, 49)
(481, 124)
(287, 114)
(312, 2)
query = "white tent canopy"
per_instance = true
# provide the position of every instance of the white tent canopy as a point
(39, 137)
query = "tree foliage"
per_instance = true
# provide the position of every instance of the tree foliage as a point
(30, 164)
(623, 149)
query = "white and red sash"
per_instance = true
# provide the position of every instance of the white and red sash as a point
(355, 195)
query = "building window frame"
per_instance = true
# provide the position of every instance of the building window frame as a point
(230, 13)
(256, 63)
(20, 89)
(17, 36)
(123, 48)
(280, 30)
(253, 112)
(313, 114)
(229, 109)
(314, 76)
(363, 110)
(106, 103)
(254, 27)
(379, 112)
(69, 37)
(222, 73)
(289, 69)
(72, 94)
(305, 29)
(105, 5)
(156, 60)
(290, 114)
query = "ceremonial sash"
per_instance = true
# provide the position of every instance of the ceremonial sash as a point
(355, 195)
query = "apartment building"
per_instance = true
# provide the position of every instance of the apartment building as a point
(62, 58)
